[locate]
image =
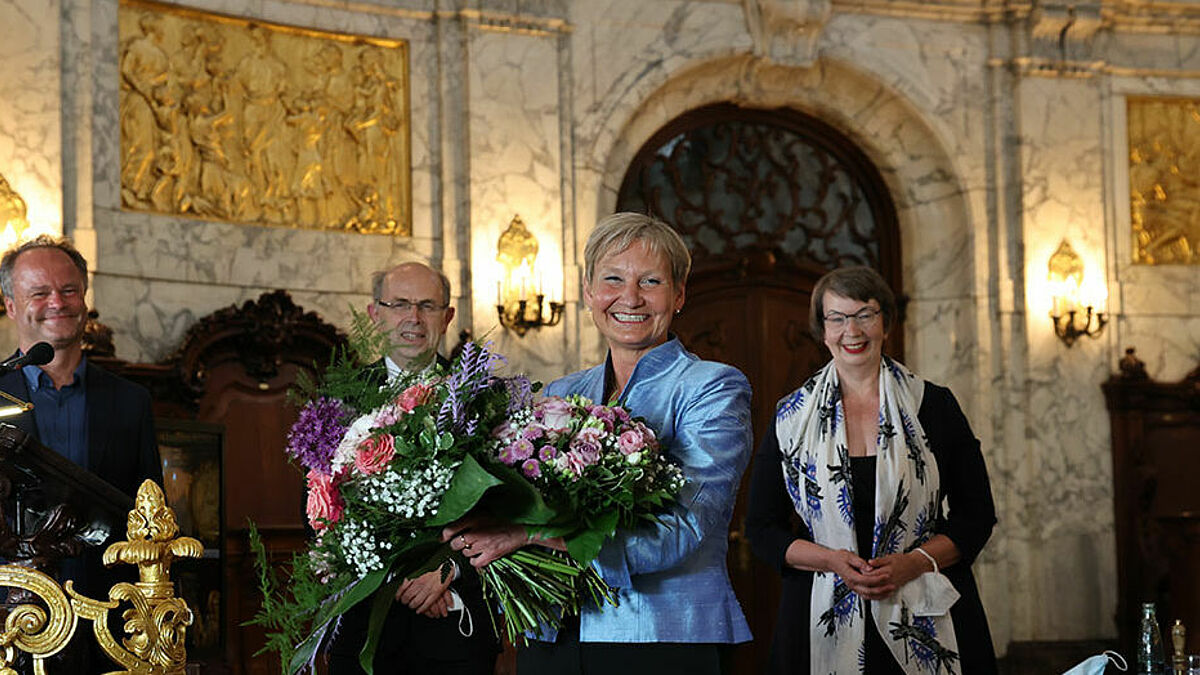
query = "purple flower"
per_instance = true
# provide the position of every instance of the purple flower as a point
(506, 455)
(604, 414)
(520, 393)
(470, 374)
(532, 468)
(317, 432)
(586, 450)
(533, 432)
(547, 453)
(521, 450)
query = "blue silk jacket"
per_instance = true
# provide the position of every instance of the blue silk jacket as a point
(671, 578)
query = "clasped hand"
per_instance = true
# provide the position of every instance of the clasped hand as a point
(428, 594)
(879, 578)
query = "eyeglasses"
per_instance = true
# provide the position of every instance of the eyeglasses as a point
(865, 318)
(402, 305)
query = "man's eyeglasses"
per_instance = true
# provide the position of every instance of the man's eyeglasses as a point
(865, 318)
(402, 305)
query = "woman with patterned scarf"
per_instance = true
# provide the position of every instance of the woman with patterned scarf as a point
(877, 575)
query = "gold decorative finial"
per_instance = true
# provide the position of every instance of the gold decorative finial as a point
(152, 545)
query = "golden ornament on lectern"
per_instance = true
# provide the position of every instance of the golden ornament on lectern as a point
(155, 623)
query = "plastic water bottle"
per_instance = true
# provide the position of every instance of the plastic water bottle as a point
(1150, 655)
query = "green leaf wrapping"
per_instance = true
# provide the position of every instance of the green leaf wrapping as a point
(470, 483)
(380, 606)
(585, 545)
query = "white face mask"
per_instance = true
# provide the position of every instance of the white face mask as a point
(1095, 665)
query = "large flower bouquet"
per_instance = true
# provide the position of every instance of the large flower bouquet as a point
(388, 465)
(600, 469)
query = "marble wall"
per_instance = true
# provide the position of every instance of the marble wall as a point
(996, 139)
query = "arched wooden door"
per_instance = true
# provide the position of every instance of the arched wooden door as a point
(767, 201)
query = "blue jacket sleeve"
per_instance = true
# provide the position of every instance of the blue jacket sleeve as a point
(712, 440)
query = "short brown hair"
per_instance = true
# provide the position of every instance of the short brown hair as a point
(9, 260)
(857, 283)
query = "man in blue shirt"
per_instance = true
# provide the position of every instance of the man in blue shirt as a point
(94, 418)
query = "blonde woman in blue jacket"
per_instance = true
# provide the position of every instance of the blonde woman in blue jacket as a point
(677, 610)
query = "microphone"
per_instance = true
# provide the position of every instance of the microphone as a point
(38, 355)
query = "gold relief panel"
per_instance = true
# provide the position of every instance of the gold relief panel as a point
(251, 122)
(1164, 179)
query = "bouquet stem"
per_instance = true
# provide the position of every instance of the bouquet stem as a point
(533, 588)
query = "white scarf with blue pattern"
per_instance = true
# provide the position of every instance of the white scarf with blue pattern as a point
(810, 424)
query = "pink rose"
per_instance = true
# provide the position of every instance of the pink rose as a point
(571, 462)
(589, 440)
(416, 395)
(630, 441)
(375, 453)
(649, 438)
(555, 413)
(325, 503)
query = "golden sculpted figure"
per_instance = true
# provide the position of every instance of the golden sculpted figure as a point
(250, 122)
(12, 212)
(1164, 191)
(517, 246)
(155, 624)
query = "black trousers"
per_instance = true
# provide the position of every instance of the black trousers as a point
(569, 656)
(411, 644)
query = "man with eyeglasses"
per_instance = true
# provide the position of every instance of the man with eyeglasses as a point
(439, 622)
(412, 303)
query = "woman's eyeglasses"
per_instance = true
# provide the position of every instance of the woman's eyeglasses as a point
(865, 318)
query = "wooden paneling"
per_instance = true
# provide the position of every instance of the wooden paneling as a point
(1156, 462)
(233, 369)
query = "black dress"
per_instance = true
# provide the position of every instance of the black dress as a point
(772, 525)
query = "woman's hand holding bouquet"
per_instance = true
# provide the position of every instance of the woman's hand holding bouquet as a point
(391, 466)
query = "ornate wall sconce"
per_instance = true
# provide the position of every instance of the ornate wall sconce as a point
(518, 309)
(1066, 278)
(13, 225)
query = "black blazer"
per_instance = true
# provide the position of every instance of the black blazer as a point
(122, 448)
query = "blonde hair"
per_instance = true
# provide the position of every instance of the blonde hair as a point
(620, 230)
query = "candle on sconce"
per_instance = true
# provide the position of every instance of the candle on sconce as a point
(499, 293)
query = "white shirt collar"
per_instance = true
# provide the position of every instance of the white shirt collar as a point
(394, 370)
